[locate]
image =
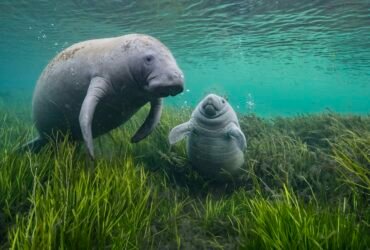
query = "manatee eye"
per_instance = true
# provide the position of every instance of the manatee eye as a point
(149, 59)
(223, 101)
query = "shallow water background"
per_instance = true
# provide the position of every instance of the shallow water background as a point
(268, 57)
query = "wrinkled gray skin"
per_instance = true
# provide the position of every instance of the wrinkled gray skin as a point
(215, 143)
(95, 86)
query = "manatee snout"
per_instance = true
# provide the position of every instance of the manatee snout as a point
(210, 110)
(211, 105)
(167, 84)
(171, 90)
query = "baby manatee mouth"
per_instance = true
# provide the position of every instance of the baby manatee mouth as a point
(210, 109)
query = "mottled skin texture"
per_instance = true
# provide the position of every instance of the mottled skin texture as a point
(95, 86)
(215, 143)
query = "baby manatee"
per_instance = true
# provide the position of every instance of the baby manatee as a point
(215, 143)
(95, 86)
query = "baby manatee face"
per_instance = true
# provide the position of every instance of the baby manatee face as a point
(155, 69)
(213, 106)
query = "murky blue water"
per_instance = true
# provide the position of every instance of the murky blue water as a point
(269, 57)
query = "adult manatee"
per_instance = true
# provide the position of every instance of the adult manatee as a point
(215, 143)
(95, 86)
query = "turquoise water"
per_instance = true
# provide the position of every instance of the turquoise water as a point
(268, 57)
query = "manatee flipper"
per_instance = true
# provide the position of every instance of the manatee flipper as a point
(34, 146)
(150, 122)
(234, 132)
(180, 132)
(98, 88)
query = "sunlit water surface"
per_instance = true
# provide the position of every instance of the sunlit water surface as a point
(268, 57)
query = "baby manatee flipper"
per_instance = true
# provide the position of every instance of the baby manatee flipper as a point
(150, 122)
(234, 132)
(34, 146)
(180, 132)
(98, 88)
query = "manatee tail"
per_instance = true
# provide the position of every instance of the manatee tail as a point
(34, 146)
